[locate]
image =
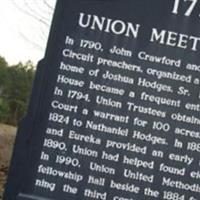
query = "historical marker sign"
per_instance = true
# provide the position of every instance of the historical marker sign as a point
(114, 113)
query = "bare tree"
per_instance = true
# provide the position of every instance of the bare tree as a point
(41, 12)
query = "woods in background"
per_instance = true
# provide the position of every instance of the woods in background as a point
(15, 88)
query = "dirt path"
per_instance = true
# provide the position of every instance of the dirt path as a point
(7, 135)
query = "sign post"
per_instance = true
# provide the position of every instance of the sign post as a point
(114, 113)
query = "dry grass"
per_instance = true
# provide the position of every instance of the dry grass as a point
(7, 135)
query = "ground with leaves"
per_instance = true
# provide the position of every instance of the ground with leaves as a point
(7, 136)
